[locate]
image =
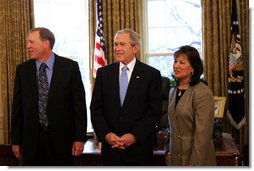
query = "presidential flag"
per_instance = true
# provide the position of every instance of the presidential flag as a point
(100, 47)
(236, 112)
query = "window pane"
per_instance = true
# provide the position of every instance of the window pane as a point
(173, 23)
(162, 63)
(156, 13)
(68, 20)
(157, 40)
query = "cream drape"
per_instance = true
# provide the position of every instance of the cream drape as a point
(15, 22)
(216, 38)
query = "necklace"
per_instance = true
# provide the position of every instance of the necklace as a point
(180, 92)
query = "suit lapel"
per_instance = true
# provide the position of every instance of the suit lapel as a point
(114, 79)
(172, 109)
(55, 77)
(33, 81)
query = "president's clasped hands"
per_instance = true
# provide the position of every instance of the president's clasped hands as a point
(120, 142)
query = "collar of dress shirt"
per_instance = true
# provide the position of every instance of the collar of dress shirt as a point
(49, 62)
(130, 65)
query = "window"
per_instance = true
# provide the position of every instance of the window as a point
(68, 20)
(170, 24)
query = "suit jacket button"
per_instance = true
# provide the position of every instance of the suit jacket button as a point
(178, 136)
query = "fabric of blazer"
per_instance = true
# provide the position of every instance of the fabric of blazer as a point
(66, 108)
(191, 127)
(139, 114)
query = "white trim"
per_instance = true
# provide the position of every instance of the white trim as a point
(233, 123)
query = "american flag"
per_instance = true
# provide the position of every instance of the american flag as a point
(100, 47)
(236, 112)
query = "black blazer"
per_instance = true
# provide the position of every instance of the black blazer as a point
(139, 114)
(66, 108)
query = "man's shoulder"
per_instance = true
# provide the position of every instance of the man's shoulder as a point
(64, 59)
(202, 89)
(109, 66)
(146, 67)
(26, 64)
(64, 62)
(140, 65)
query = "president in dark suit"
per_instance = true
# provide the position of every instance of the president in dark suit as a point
(49, 108)
(125, 122)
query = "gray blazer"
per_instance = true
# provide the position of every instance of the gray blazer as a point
(191, 124)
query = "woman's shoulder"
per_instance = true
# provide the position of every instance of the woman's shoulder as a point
(202, 88)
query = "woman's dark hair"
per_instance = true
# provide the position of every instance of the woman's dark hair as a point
(195, 61)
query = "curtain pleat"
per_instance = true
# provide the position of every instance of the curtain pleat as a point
(216, 44)
(16, 20)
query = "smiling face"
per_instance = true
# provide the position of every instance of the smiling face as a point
(123, 49)
(37, 48)
(182, 68)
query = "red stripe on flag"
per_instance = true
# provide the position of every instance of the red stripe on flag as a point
(99, 60)
(98, 46)
(231, 65)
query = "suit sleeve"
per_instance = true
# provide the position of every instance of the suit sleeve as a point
(97, 109)
(204, 120)
(146, 127)
(17, 115)
(79, 105)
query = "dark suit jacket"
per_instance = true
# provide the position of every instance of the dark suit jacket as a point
(66, 108)
(139, 114)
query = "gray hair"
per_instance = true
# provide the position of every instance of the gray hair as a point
(135, 38)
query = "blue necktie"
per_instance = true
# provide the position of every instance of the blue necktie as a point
(123, 84)
(43, 89)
